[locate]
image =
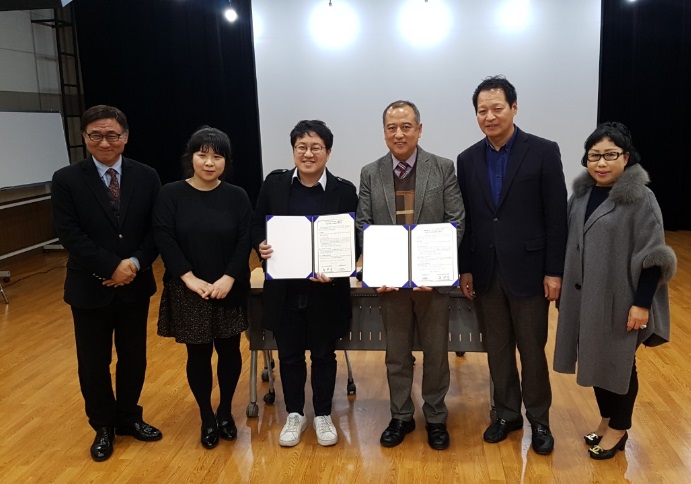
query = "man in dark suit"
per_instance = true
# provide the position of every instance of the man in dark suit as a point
(513, 255)
(305, 314)
(409, 186)
(102, 215)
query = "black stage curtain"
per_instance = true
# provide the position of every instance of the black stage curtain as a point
(173, 66)
(645, 82)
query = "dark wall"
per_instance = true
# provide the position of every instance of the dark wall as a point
(173, 66)
(645, 82)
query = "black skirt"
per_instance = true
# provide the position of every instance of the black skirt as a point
(188, 318)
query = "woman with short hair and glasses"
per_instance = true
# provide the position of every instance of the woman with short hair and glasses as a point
(614, 296)
(202, 228)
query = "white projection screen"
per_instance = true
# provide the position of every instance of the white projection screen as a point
(33, 147)
(345, 62)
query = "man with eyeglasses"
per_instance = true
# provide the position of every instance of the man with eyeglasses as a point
(513, 256)
(408, 185)
(102, 215)
(305, 314)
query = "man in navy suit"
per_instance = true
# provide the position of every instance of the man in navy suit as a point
(102, 215)
(513, 255)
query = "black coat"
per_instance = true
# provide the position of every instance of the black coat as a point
(526, 232)
(332, 300)
(96, 240)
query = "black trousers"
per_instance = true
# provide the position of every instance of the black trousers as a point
(95, 329)
(296, 334)
(618, 408)
(511, 322)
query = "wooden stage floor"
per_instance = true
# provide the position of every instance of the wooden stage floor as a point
(44, 435)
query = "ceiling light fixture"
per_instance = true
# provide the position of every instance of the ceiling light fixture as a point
(230, 14)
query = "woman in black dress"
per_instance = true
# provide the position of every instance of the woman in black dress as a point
(202, 228)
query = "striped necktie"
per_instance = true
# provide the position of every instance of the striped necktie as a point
(402, 169)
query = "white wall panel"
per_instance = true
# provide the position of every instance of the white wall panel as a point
(549, 50)
(28, 54)
(18, 71)
(44, 36)
(15, 31)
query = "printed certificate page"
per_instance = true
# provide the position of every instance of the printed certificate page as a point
(385, 256)
(290, 237)
(334, 245)
(434, 255)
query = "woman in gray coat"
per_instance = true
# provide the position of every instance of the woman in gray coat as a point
(614, 294)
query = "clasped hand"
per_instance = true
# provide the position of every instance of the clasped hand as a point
(124, 273)
(206, 290)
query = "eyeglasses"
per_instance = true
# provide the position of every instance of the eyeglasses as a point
(315, 149)
(109, 137)
(609, 156)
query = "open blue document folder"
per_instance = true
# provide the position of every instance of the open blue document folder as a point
(304, 246)
(410, 255)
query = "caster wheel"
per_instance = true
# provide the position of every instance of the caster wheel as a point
(460, 354)
(352, 389)
(252, 410)
(270, 398)
(265, 375)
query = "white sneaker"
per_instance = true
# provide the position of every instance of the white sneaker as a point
(326, 430)
(292, 430)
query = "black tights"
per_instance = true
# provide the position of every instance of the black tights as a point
(618, 408)
(200, 378)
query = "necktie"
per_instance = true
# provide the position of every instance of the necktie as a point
(114, 186)
(402, 169)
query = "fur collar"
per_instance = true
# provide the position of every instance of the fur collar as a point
(629, 188)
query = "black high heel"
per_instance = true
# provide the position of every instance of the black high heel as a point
(598, 453)
(592, 439)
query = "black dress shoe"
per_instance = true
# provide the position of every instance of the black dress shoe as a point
(140, 431)
(227, 429)
(210, 437)
(592, 439)
(543, 442)
(437, 436)
(396, 432)
(598, 453)
(500, 429)
(102, 448)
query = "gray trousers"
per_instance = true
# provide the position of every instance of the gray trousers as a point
(511, 322)
(406, 312)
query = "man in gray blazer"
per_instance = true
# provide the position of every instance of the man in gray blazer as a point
(409, 186)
